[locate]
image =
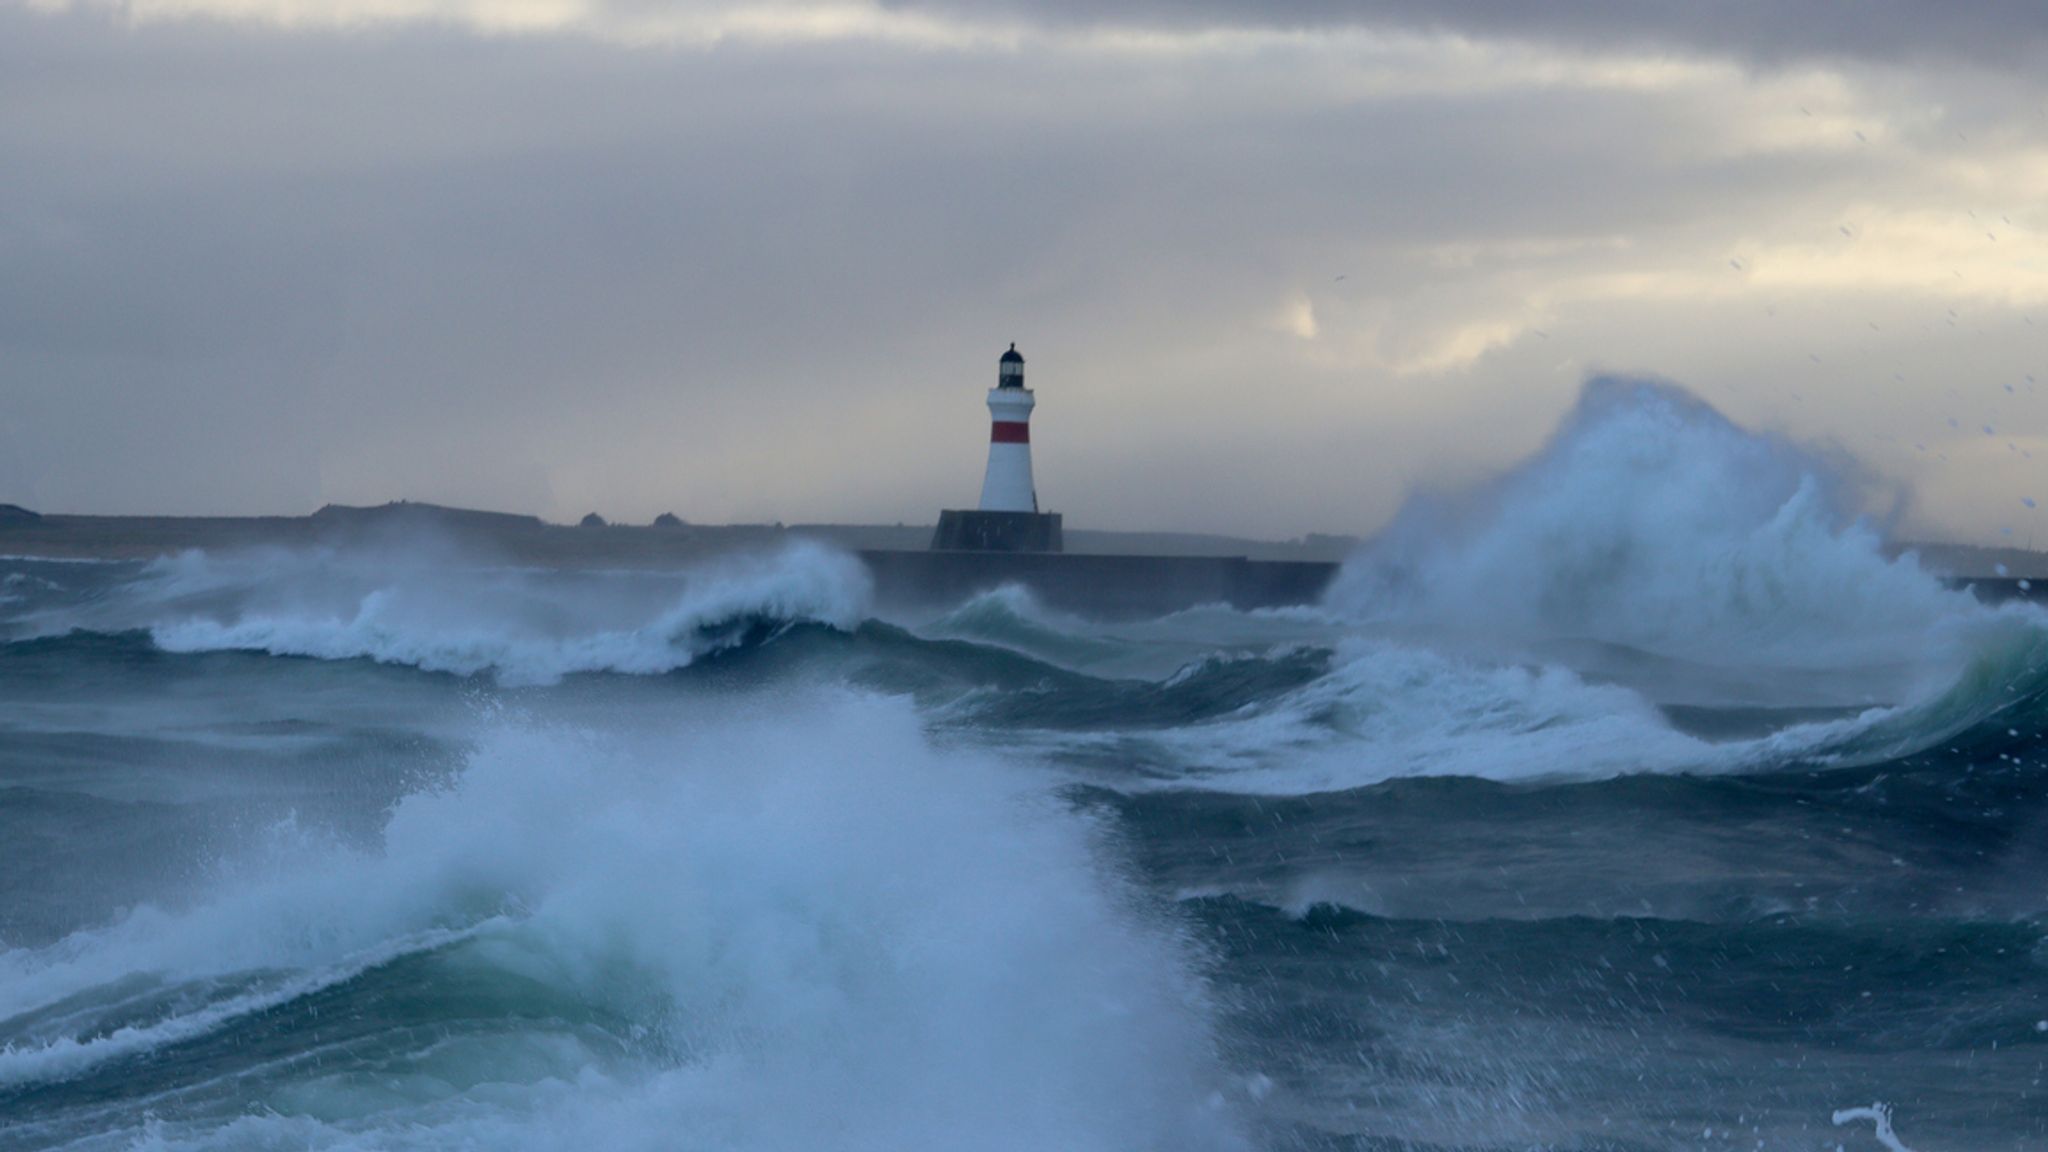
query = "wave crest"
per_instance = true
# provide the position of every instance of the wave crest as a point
(524, 626)
(732, 896)
(1650, 520)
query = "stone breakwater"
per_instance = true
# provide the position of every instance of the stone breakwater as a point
(1099, 585)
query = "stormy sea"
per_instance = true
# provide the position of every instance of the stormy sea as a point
(1638, 798)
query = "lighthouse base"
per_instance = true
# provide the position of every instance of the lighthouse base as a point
(971, 530)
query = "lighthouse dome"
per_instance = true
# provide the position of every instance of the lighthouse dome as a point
(1010, 369)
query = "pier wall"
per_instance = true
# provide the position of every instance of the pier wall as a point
(1098, 585)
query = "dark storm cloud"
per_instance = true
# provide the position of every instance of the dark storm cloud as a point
(2010, 32)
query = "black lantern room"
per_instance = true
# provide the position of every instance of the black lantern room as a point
(1010, 369)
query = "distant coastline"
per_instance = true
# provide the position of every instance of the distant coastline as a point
(669, 542)
(529, 539)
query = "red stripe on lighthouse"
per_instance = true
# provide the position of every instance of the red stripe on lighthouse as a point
(1009, 432)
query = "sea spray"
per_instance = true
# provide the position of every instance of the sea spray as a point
(1653, 554)
(1880, 1117)
(1652, 521)
(728, 904)
(525, 626)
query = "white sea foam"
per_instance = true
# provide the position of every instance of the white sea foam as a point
(1387, 711)
(742, 885)
(438, 613)
(61, 1057)
(1652, 521)
(1880, 1117)
(1653, 551)
(15, 586)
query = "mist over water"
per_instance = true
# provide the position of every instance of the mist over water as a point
(1638, 799)
(1650, 521)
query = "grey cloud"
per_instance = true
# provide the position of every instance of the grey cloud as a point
(243, 270)
(2006, 32)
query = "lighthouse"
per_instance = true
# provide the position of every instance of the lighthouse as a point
(1006, 486)
(1008, 519)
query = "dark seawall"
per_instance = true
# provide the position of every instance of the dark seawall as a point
(1099, 585)
(1132, 580)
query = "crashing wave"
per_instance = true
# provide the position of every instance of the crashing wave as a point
(1652, 521)
(1652, 554)
(711, 932)
(524, 626)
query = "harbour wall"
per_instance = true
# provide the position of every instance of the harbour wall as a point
(1098, 585)
(1131, 586)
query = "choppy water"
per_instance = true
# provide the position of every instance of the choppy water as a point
(1633, 802)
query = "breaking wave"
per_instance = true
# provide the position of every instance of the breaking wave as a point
(441, 614)
(1387, 711)
(1652, 521)
(1543, 627)
(708, 935)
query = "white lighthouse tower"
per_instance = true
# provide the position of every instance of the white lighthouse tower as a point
(1008, 519)
(1007, 486)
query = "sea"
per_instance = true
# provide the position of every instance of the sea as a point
(1637, 798)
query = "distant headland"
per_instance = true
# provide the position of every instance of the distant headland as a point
(529, 539)
(1124, 572)
(1106, 572)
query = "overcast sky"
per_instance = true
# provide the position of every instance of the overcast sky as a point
(1274, 265)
